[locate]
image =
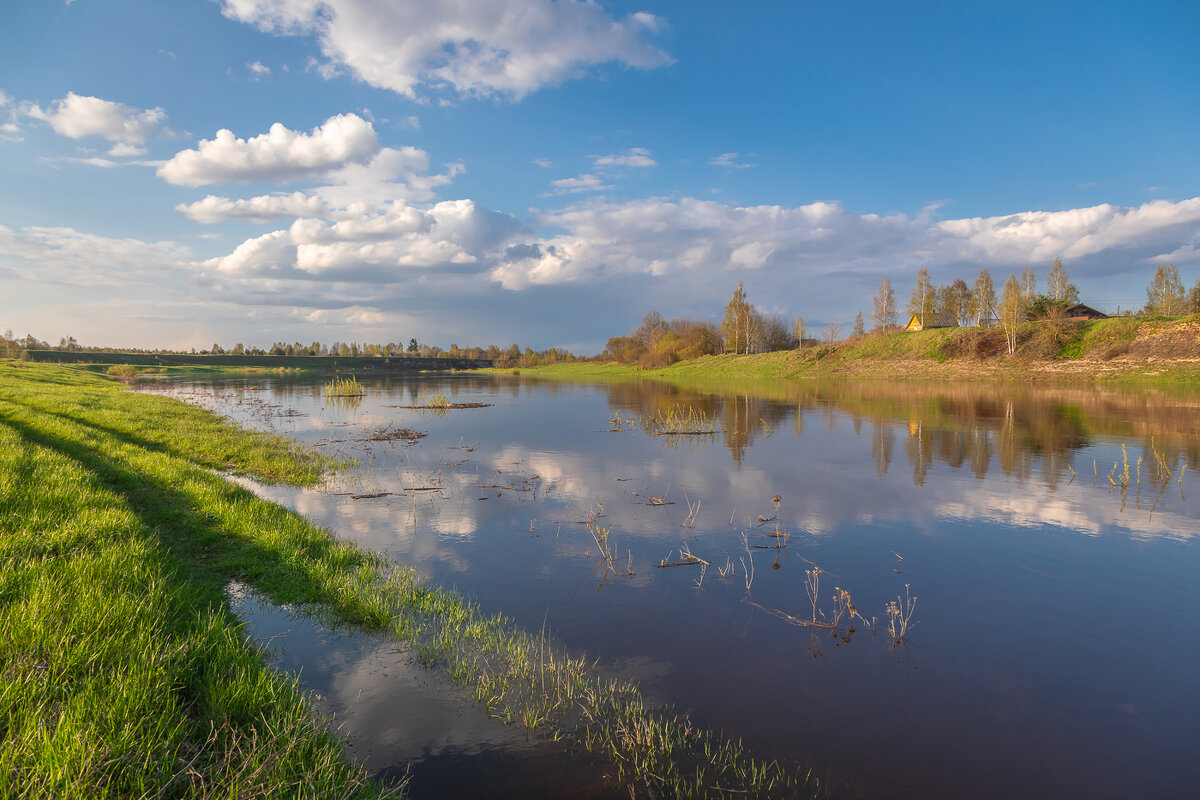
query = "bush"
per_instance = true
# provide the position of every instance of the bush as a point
(658, 360)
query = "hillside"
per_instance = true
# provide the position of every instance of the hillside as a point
(1125, 348)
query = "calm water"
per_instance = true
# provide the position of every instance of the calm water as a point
(1056, 637)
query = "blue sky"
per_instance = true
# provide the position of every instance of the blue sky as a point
(546, 172)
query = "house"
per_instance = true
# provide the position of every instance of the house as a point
(1080, 311)
(940, 319)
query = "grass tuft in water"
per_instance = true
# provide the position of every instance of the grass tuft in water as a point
(344, 387)
(678, 421)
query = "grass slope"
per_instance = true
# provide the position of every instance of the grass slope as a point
(1122, 349)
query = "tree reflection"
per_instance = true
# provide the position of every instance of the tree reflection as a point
(1024, 431)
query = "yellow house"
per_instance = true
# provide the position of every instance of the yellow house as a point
(941, 319)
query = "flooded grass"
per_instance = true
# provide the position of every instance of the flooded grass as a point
(125, 674)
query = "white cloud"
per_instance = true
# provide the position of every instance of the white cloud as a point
(544, 163)
(708, 239)
(125, 150)
(395, 173)
(1185, 254)
(76, 116)
(386, 246)
(259, 69)
(91, 161)
(584, 183)
(1072, 234)
(53, 255)
(476, 48)
(264, 208)
(279, 155)
(633, 157)
(730, 160)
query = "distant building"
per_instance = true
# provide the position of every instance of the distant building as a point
(941, 319)
(1080, 311)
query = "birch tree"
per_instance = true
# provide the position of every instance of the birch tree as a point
(1011, 311)
(920, 302)
(735, 326)
(1028, 283)
(983, 297)
(1164, 295)
(1059, 286)
(883, 316)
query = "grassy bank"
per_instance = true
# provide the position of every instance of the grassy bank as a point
(1125, 349)
(124, 674)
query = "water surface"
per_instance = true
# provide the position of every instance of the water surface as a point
(1055, 636)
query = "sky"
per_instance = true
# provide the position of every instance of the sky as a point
(547, 171)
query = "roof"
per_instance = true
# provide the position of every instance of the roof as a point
(1081, 310)
(939, 319)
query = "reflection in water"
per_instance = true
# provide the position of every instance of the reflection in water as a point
(1046, 583)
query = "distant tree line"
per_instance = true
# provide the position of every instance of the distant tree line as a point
(512, 356)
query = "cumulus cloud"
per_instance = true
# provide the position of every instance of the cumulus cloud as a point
(394, 173)
(76, 116)
(633, 157)
(391, 245)
(476, 48)
(692, 248)
(264, 208)
(258, 69)
(278, 155)
(1073, 234)
(655, 236)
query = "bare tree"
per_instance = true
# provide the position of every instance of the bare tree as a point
(776, 335)
(798, 330)
(883, 316)
(833, 332)
(859, 329)
(1164, 295)
(652, 329)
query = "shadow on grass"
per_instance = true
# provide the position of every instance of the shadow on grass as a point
(217, 545)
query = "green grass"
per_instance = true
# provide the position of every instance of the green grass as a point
(123, 672)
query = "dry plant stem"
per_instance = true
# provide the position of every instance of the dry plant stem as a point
(899, 613)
